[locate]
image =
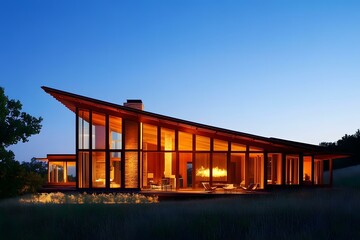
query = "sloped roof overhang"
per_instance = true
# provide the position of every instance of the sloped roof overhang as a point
(74, 101)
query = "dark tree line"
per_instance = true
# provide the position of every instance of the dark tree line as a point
(15, 126)
(348, 144)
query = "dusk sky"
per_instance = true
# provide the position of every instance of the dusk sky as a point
(285, 69)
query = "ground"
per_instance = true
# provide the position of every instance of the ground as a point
(306, 214)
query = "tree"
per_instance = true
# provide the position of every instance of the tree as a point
(15, 126)
(35, 175)
(348, 144)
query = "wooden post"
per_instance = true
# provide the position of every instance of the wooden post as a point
(265, 169)
(331, 172)
(283, 168)
(312, 170)
(247, 160)
(301, 168)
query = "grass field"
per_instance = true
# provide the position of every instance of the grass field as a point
(305, 214)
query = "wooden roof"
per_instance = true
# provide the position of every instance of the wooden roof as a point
(73, 101)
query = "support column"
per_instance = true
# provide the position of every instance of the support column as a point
(247, 159)
(301, 168)
(211, 160)
(331, 172)
(177, 166)
(283, 168)
(193, 161)
(312, 170)
(265, 169)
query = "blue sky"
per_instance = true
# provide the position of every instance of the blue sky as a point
(286, 69)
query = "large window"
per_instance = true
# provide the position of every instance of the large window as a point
(115, 169)
(202, 168)
(256, 169)
(115, 132)
(98, 131)
(185, 141)
(84, 169)
(57, 172)
(220, 145)
(292, 169)
(202, 143)
(84, 136)
(219, 167)
(307, 174)
(131, 135)
(149, 137)
(238, 147)
(186, 170)
(236, 169)
(274, 168)
(318, 171)
(167, 139)
(98, 170)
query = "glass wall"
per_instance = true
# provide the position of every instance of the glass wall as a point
(153, 170)
(84, 135)
(115, 132)
(167, 139)
(115, 169)
(307, 174)
(238, 147)
(57, 172)
(220, 145)
(256, 169)
(149, 137)
(202, 168)
(292, 169)
(236, 169)
(202, 143)
(84, 169)
(61, 172)
(219, 167)
(98, 170)
(318, 171)
(129, 154)
(185, 141)
(99, 157)
(185, 170)
(98, 131)
(274, 168)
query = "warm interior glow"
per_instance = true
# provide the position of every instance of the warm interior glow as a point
(205, 172)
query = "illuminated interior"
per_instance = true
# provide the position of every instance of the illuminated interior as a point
(204, 160)
(61, 172)
(292, 169)
(274, 168)
(307, 173)
(123, 148)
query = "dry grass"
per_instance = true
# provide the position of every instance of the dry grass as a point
(306, 214)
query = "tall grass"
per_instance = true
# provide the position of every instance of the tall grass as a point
(306, 214)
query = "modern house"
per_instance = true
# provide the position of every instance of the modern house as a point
(124, 147)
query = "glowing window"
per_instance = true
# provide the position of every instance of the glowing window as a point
(185, 141)
(202, 143)
(220, 145)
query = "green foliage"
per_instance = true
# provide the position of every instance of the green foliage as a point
(348, 144)
(35, 175)
(11, 176)
(15, 126)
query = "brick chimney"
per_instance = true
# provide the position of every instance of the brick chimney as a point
(134, 103)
